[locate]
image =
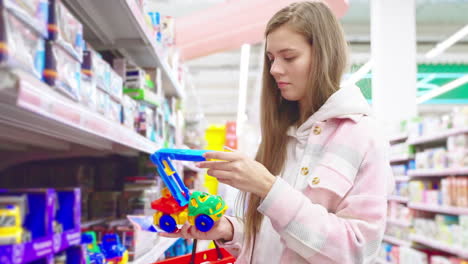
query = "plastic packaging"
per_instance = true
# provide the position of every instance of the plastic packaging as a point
(102, 101)
(62, 71)
(116, 86)
(20, 45)
(65, 29)
(129, 111)
(114, 111)
(32, 12)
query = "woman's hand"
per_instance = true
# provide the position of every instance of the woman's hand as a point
(239, 171)
(222, 229)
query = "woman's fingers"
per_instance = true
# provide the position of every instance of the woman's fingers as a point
(227, 156)
(184, 231)
(172, 235)
(218, 165)
(220, 174)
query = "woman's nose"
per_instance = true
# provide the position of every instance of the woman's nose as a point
(276, 68)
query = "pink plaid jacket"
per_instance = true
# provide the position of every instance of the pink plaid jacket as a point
(329, 203)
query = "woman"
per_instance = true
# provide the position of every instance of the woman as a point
(316, 192)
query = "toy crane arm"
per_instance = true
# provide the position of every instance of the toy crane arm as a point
(162, 159)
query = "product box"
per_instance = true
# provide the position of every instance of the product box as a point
(135, 78)
(65, 29)
(94, 65)
(102, 102)
(68, 216)
(32, 12)
(129, 111)
(20, 45)
(88, 91)
(41, 208)
(114, 111)
(62, 71)
(116, 86)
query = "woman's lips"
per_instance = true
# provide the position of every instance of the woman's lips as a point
(282, 85)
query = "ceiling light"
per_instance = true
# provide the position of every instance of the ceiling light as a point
(443, 89)
(442, 46)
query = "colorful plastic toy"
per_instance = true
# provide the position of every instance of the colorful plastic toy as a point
(113, 249)
(94, 254)
(176, 205)
(11, 229)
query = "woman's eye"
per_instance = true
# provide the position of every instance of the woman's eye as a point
(289, 59)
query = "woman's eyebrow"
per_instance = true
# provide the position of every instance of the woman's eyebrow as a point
(282, 50)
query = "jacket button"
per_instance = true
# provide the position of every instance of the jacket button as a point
(315, 180)
(317, 130)
(305, 170)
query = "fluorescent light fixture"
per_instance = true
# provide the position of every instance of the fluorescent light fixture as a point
(442, 46)
(243, 80)
(357, 75)
(443, 89)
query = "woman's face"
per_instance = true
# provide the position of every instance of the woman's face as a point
(290, 55)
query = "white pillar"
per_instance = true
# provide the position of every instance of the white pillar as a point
(393, 45)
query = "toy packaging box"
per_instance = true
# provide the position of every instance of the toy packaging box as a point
(34, 13)
(62, 71)
(65, 29)
(93, 65)
(116, 86)
(20, 45)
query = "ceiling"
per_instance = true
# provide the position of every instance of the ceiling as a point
(215, 79)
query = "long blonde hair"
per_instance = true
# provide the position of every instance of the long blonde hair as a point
(315, 21)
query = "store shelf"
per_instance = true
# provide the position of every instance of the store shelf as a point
(401, 158)
(437, 137)
(151, 256)
(398, 222)
(120, 25)
(28, 104)
(397, 198)
(90, 223)
(437, 172)
(381, 261)
(396, 241)
(439, 209)
(402, 178)
(463, 253)
(398, 138)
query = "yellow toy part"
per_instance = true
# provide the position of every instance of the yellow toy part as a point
(180, 217)
(11, 230)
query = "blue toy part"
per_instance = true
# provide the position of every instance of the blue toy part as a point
(204, 223)
(168, 223)
(162, 159)
(111, 246)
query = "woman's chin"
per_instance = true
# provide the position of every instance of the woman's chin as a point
(289, 97)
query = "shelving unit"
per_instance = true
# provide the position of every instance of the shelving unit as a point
(439, 209)
(398, 138)
(37, 115)
(437, 137)
(398, 222)
(401, 158)
(396, 241)
(119, 25)
(403, 178)
(437, 172)
(398, 198)
(463, 253)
